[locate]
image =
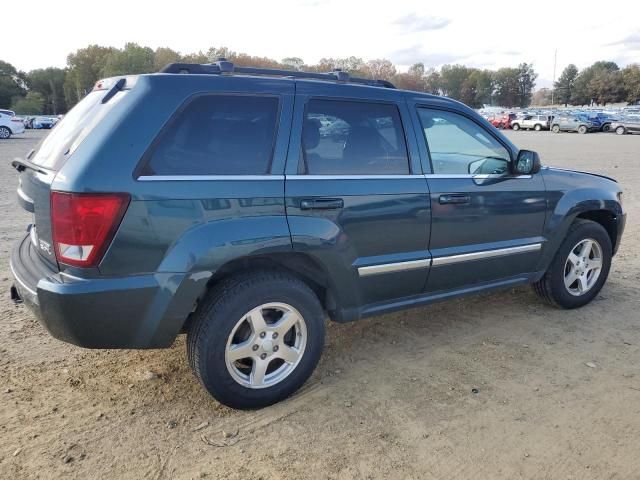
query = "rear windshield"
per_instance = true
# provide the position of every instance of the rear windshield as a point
(69, 132)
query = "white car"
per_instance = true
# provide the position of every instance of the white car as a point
(10, 124)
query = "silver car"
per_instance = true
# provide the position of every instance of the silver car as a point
(536, 122)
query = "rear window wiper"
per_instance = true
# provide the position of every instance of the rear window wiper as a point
(21, 165)
(119, 85)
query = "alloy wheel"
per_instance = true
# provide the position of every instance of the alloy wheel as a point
(266, 345)
(583, 266)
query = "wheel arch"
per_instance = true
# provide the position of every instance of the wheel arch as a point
(607, 219)
(301, 265)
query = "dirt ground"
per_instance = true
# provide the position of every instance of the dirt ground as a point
(558, 392)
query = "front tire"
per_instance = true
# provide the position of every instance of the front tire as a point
(555, 129)
(537, 127)
(256, 339)
(582, 129)
(580, 267)
(515, 126)
(620, 130)
(5, 133)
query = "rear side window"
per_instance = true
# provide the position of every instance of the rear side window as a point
(353, 138)
(216, 135)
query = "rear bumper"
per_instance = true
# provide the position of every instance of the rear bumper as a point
(141, 311)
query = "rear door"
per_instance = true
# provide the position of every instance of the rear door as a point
(487, 223)
(356, 197)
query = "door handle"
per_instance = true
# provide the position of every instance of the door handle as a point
(457, 198)
(321, 203)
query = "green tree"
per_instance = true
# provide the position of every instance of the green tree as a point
(413, 79)
(631, 81)
(49, 82)
(565, 84)
(526, 83)
(164, 56)
(11, 84)
(85, 68)
(433, 82)
(132, 59)
(592, 83)
(31, 104)
(507, 87)
(607, 86)
(195, 57)
(452, 79)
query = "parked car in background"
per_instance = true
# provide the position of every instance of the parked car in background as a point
(10, 124)
(255, 203)
(42, 122)
(571, 123)
(626, 125)
(503, 121)
(528, 122)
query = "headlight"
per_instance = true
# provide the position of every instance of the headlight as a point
(620, 198)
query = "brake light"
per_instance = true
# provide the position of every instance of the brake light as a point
(83, 225)
(16, 120)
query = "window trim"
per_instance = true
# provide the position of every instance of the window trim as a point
(301, 157)
(417, 106)
(146, 156)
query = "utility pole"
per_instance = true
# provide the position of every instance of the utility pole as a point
(553, 87)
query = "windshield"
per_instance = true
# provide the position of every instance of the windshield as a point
(69, 132)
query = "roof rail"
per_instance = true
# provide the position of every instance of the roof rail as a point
(223, 66)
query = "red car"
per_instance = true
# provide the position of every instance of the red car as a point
(503, 121)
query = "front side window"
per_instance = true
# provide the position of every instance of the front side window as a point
(217, 135)
(353, 138)
(457, 145)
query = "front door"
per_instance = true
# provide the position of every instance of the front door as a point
(487, 222)
(355, 194)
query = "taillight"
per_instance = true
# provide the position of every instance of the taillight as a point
(16, 120)
(83, 225)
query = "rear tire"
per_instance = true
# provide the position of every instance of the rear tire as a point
(537, 127)
(5, 133)
(236, 330)
(557, 285)
(606, 127)
(620, 130)
(555, 129)
(515, 126)
(582, 129)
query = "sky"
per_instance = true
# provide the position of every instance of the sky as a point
(475, 33)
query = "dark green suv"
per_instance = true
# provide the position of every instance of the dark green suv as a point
(242, 206)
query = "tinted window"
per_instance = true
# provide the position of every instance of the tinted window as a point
(217, 135)
(353, 138)
(457, 145)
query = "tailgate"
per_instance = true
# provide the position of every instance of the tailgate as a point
(41, 165)
(33, 195)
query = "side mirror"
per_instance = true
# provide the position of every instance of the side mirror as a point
(527, 163)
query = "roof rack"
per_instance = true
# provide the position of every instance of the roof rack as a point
(223, 66)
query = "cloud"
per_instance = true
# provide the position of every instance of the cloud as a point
(632, 40)
(414, 23)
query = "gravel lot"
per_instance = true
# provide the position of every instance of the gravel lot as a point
(558, 391)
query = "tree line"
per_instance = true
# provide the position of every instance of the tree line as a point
(600, 84)
(55, 90)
